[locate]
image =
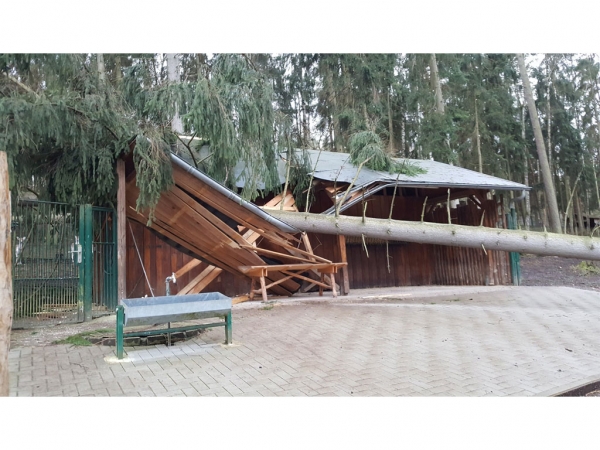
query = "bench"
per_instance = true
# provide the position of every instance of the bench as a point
(164, 310)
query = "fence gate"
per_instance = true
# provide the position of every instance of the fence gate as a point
(63, 262)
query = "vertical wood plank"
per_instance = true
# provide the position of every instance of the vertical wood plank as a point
(345, 279)
(6, 292)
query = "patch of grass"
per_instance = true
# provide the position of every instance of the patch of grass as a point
(454, 300)
(98, 331)
(76, 340)
(80, 340)
(587, 268)
(268, 307)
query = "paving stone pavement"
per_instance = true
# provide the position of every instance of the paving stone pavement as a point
(509, 341)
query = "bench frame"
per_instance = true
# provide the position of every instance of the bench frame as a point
(121, 320)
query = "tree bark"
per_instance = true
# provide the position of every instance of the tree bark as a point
(443, 234)
(173, 77)
(435, 79)
(526, 173)
(478, 138)
(6, 300)
(101, 69)
(390, 125)
(539, 142)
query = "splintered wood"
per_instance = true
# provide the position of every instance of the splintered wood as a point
(225, 235)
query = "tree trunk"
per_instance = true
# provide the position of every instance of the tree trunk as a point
(579, 221)
(101, 68)
(443, 234)
(435, 80)
(478, 138)
(390, 126)
(568, 208)
(173, 76)
(526, 173)
(539, 142)
(6, 300)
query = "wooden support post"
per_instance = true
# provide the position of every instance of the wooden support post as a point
(333, 290)
(263, 288)
(6, 299)
(321, 286)
(121, 233)
(252, 287)
(344, 279)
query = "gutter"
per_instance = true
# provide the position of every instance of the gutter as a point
(233, 196)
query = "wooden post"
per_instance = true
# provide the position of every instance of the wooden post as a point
(263, 288)
(344, 278)
(6, 300)
(121, 232)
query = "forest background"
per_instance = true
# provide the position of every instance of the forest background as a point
(68, 116)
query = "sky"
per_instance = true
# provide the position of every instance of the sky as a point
(309, 26)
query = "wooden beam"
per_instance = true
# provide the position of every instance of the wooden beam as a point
(200, 281)
(322, 267)
(202, 284)
(189, 266)
(121, 232)
(345, 280)
(263, 289)
(6, 292)
(276, 254)
(302, 277)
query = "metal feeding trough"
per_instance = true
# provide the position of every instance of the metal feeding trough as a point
(172, 308)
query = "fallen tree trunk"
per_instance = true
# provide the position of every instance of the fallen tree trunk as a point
(442, 234)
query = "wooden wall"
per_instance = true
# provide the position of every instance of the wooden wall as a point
(161, 260)
(410, 264)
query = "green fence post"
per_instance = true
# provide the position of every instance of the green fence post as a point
(88, 262)
(515, 257)
(80, 266)
(119, 337)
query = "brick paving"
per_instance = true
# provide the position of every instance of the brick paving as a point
(508, 341)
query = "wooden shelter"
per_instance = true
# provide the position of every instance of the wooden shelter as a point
(442, 190)
(213, 240)
(201, 230)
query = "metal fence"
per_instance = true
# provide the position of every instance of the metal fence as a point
(64, 262)
(104, 288)
(45, 269)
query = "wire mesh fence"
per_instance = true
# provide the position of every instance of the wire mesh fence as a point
(45, 267)
(64, 262)
(104, 289)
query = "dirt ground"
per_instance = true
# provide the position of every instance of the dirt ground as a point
(556, 271)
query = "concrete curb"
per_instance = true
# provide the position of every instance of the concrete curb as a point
(557, 392)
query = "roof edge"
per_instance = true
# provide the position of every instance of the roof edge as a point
(233, 196)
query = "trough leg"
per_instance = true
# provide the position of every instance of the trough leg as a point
(228, 333)
(119, 337)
